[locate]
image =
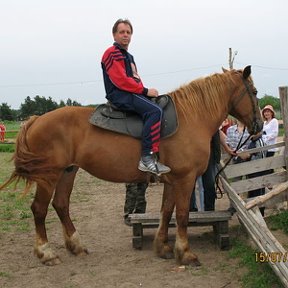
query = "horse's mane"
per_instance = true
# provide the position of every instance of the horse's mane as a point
(203, 95)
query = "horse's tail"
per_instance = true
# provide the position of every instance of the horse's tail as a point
(28, 166)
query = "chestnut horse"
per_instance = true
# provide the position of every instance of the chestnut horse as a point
(51, 157)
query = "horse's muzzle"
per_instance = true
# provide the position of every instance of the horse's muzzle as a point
(257, 126)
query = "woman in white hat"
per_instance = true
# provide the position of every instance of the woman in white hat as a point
(270, 128)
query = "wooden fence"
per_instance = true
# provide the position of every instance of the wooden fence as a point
(270, 250)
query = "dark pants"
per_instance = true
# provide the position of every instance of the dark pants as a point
(135, 201)
(151, 115)
(208, 179)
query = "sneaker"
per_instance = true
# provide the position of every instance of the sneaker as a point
(148, 164)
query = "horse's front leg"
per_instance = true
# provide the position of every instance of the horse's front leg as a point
(183, 254)
(61, 205)
(161, 246)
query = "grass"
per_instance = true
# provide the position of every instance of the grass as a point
(12, 128)
(257, 274)
(15, 209)
(8, 148)
(279, 222)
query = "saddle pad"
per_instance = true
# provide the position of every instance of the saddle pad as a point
(129, 123)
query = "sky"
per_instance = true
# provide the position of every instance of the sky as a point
(54, 48)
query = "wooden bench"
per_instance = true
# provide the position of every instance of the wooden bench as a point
(217, 219)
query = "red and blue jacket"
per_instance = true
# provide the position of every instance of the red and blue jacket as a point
(120, 73)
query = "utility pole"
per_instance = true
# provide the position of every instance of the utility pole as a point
(231, 58)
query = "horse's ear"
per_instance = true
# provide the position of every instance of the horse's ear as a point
(224, 70)
(247, 72)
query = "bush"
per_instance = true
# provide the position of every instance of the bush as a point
(7, 148)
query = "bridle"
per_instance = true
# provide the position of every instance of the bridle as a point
(236, 101)
(252, 93)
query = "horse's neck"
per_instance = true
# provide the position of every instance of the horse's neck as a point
(204, 101)
(194, 123)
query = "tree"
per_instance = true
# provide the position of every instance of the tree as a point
(38, 106)
(62, 104)
(69, 102)
(27, 108)
(6, 113)
(267, 99)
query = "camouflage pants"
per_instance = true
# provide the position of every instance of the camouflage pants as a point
(135, 201)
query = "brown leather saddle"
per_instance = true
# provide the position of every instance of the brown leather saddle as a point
(108, 117)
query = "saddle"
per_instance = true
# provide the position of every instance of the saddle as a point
(106, 116)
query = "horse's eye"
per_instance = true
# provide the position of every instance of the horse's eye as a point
(255, 91)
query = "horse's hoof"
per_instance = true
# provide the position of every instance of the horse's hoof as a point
(82, 251)
(46, 255)
(195, 263)
(73, 244)
(52, 262)
(190, 260)
(165, 252)
(167, 255)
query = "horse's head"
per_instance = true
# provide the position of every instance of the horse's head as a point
(243, 102)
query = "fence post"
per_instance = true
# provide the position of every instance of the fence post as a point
(283, 92)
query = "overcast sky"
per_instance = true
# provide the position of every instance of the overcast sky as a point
(54, 48)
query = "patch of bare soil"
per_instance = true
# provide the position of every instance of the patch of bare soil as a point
(97, 211)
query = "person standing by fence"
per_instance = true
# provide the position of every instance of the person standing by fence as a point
(270, 128)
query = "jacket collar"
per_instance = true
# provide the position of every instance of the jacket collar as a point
(119, 46)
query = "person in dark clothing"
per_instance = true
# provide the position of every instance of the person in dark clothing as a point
(125, 90)
(135, 200)
(208, 178)
(256, 142)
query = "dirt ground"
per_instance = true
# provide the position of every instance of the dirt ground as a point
(97, 212)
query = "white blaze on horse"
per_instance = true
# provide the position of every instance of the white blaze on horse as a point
(51, 158)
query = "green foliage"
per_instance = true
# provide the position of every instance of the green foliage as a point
(270, 100)
(12, 125)
(6, 113)
(258, 274)
(39, 105)
(12, 128)
(9, 148)
(15, 209)
(279, 221)
(4, 274)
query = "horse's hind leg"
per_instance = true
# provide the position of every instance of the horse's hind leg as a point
(39, 208)
(61, 204)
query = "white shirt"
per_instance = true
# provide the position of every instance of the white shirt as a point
(270, 132)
